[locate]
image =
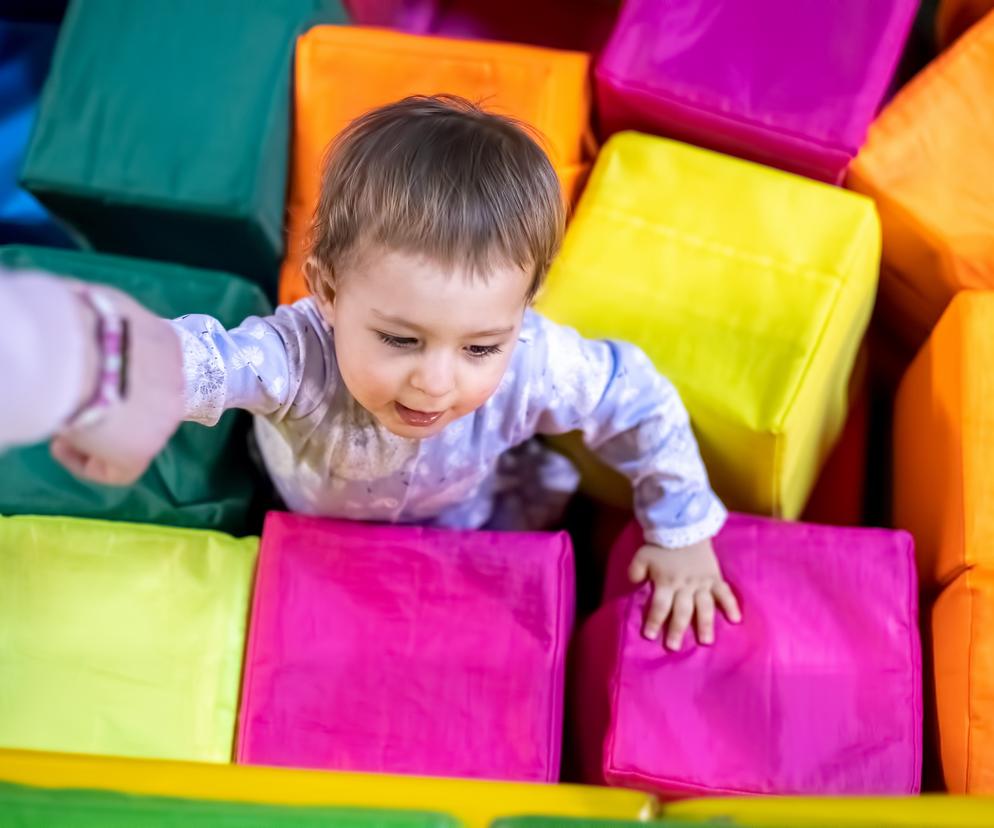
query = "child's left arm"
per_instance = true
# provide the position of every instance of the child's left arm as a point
(633, 419)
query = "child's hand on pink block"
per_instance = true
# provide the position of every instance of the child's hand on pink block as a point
(686, 583)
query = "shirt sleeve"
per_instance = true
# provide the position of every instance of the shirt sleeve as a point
(274, 366)
(632, 417)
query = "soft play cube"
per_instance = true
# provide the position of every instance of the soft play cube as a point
(791, 85)
(839, 495)
(944, 444)
(119, 638)
(748, 287)
(41, 808)
(817, 691)
(560, 24)
(929, 164)
(407, 650)
(164, 128)
(25, 52)
(591, 822)
(963, 664)
(343, 72)
(203, 477)
(928, 811)
(953, 17)
(474, 802)
(944, 494)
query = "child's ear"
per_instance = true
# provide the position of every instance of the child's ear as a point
(321, 283)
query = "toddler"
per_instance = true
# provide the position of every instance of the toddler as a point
(410, 386)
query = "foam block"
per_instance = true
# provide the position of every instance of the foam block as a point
(474, 802)
(686, 253)
(944, 442)
(817, 691)
(559, 24)
(840, 493)
(407, 650)
(591, 822)
(928, 811)
(343, 72)
(943, 494)
(963, 657)
(953, 17)
(790, 85)
(120, 638)
(40, 808)
(25, 53)
(163, 129)
(203, 478)
(928, 163)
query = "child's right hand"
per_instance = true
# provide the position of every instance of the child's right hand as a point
(119, 448)
(686, 584)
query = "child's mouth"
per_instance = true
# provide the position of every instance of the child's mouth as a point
(420, 419)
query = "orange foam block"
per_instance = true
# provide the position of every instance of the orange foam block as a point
(342, 72)
(944, 494)
(929, 164)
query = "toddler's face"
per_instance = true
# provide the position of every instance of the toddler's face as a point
(419, 347)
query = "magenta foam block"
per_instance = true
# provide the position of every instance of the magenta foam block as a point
(817, 691)
(790, 85)
(401, 649)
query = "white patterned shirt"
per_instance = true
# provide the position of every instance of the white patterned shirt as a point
(328, 456)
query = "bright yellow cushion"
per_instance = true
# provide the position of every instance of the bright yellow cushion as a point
(839, 812)
(121, 638)
(750, 288)
(474, 802)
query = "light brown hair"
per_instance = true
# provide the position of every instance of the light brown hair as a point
(439, 177)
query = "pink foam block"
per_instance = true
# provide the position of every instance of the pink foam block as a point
(817, 691)
(791, 85)
(558, 24)
(407, 650)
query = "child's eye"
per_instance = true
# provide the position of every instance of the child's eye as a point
(397, 341)
(481, 351)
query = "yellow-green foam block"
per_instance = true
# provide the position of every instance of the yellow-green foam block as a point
(122, 639)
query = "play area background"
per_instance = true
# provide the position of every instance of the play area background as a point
(788, 205)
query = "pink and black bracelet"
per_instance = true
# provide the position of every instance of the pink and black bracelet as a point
(112, 342)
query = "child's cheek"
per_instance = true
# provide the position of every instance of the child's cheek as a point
(369, 381)
(483, 388)
(383, 384)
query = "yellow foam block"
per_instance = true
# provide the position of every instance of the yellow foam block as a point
(120, 638)
(750, 288)
(840, 812)
(473, 802)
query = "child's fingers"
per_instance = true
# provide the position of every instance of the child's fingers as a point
(69, 456)
(704, 614)
(683, 611)
(659, 609)
(726, 600)
(88, 467)
(112, 474)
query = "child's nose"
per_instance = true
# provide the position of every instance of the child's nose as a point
(434, 375)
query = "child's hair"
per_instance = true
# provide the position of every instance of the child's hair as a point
(437, 176)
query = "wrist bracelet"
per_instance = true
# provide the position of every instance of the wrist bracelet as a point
(112, 352)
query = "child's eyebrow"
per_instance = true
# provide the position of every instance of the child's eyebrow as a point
(403, 323)
(491, 332)
(396, 320)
